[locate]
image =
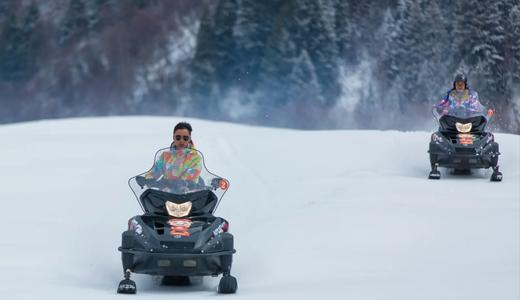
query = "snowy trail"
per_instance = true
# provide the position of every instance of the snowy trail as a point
(339, 214)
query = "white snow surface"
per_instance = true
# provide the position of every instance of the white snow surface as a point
(316, 214)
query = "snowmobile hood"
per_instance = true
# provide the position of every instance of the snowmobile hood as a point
(453, 124)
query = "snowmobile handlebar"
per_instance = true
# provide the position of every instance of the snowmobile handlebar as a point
(175, 183)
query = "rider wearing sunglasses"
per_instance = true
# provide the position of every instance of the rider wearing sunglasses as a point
(182, 161)
(182, 136)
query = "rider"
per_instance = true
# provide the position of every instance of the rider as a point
(182, 161)
(461, 96)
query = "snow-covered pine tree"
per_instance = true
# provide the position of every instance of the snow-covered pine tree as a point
(203, 71)
(408, 50)
(511, 24)
(486, 51)
(215, 65)
(277, 66)
(513, 35)
(432, 75)
(311, 31)
(387, 69)
(344, 31)
(253, 28)
(305, 84)
(465, 27)
(18, 49)
(385, 74)
(275, 83)
(225, 55)
(305, 110)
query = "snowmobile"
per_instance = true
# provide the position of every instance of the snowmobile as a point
(178, 235)
(463, 144)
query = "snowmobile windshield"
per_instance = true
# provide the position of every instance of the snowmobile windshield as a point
(180, 173)
(462, 112)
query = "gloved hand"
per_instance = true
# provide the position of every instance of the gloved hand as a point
(141, 181)
(215, 183)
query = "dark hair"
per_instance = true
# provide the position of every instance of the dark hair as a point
(182, 125)
(461, 77)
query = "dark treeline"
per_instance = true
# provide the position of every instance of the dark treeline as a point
(293, 63)
(66, 58)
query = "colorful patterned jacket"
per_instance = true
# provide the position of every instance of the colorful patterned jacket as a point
(469, 100)
(185, 163)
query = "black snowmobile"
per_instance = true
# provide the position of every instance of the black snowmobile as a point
(178, 236)
(463, 144)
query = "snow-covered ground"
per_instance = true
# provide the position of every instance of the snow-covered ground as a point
(315, 214)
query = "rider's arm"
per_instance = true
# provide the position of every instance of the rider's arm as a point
(443, 105)
(474, 103)
(157, 168)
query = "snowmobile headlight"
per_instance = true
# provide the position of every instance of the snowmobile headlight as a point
(189, 263)
(464, 128)
(178, 210)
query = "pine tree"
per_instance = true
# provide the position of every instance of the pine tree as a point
(305, 83)
(350, 28)
(486, 49)
(4, 11)
(312, 32)
(388, 69)
(413, 65)
(365, 18)
(511, 63)
(514, 39)
(30, 32)
(254, 26)
(225, 61)
(408, 43)
(18, 49)
(344, 30)
(304, 109)
(383, 92)
(466, 27)
(10, 51)
(277, 65)
(215, 65)
(431, 72)
(203, 71)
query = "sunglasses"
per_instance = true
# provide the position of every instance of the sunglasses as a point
(184, 137)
